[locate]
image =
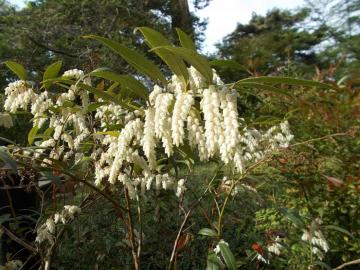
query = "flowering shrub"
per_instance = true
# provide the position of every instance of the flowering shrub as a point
(130, 138)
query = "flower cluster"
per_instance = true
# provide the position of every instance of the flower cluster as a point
(204, 117)
(46, 232)
(317, 241)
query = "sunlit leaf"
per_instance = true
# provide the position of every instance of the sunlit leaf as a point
(208, 232)
(154, 39)
(185, 40)
(135, 59)
(32, 134)
(17, 68)
(126, 81)
(52, 71)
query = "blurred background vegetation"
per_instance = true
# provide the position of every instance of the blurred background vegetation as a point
(314, 179)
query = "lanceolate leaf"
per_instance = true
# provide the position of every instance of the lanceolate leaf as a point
(185, 40)
(213, 262)
(135, 59)
(125, 81)
(208, 232)
(286, 80)
(155, 39)
(18, 69)
(52, 71)
(107, 97)
(32, 134)
(337, 228)
(261, 86)
(193, 58)
(228, 256)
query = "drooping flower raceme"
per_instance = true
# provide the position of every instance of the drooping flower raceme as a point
(205, 117)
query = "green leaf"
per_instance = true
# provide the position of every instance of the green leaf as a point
(227, 64)
(185, 40)
(9, 162)
(107, 97)
(52, 71)
(18, 69)
(228, 256)
(339, 229)
(266, 87)
(193, 58)
(93, 106)
(287, 80)
(208, 232)
(213, 262)
(292, 216)
(138, 61)
(112, 133)
(155, 39)
(32, 134)
(126, 81)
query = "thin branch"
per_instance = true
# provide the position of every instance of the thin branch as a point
(21, 242)
(357, 261)
(49, 48)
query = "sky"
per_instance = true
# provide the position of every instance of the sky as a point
(223, 15)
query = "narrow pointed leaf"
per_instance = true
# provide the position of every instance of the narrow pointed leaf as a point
(260, 86)
(155, 39)
(125, 81)
(135, 59)
(213, 262)
(337, 228)
(287, 80)
(228, 256)
(185, 40)
(107, 97)
(32, 134)
(17, 68)
(52, 71)
(193, 58)
(208, 232)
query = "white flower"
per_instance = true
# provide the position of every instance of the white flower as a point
(275, 248)
(217, 248)
(261, 258)
(196, 135)
(154, 93)
(182, 106)
(73, 74)
(163, 121)
(6, 120)
(149, 139)
(180, 187)
(18, 96)
(50, 225)
(210, 105)
(39, 108)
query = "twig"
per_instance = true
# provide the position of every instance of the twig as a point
(321, 138)
(131, 232)
(21, 242)
(173, 254)
(49, 48)
(357, 261)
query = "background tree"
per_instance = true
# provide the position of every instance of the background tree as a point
(49, 30)
(268, 43)
(342, 21)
